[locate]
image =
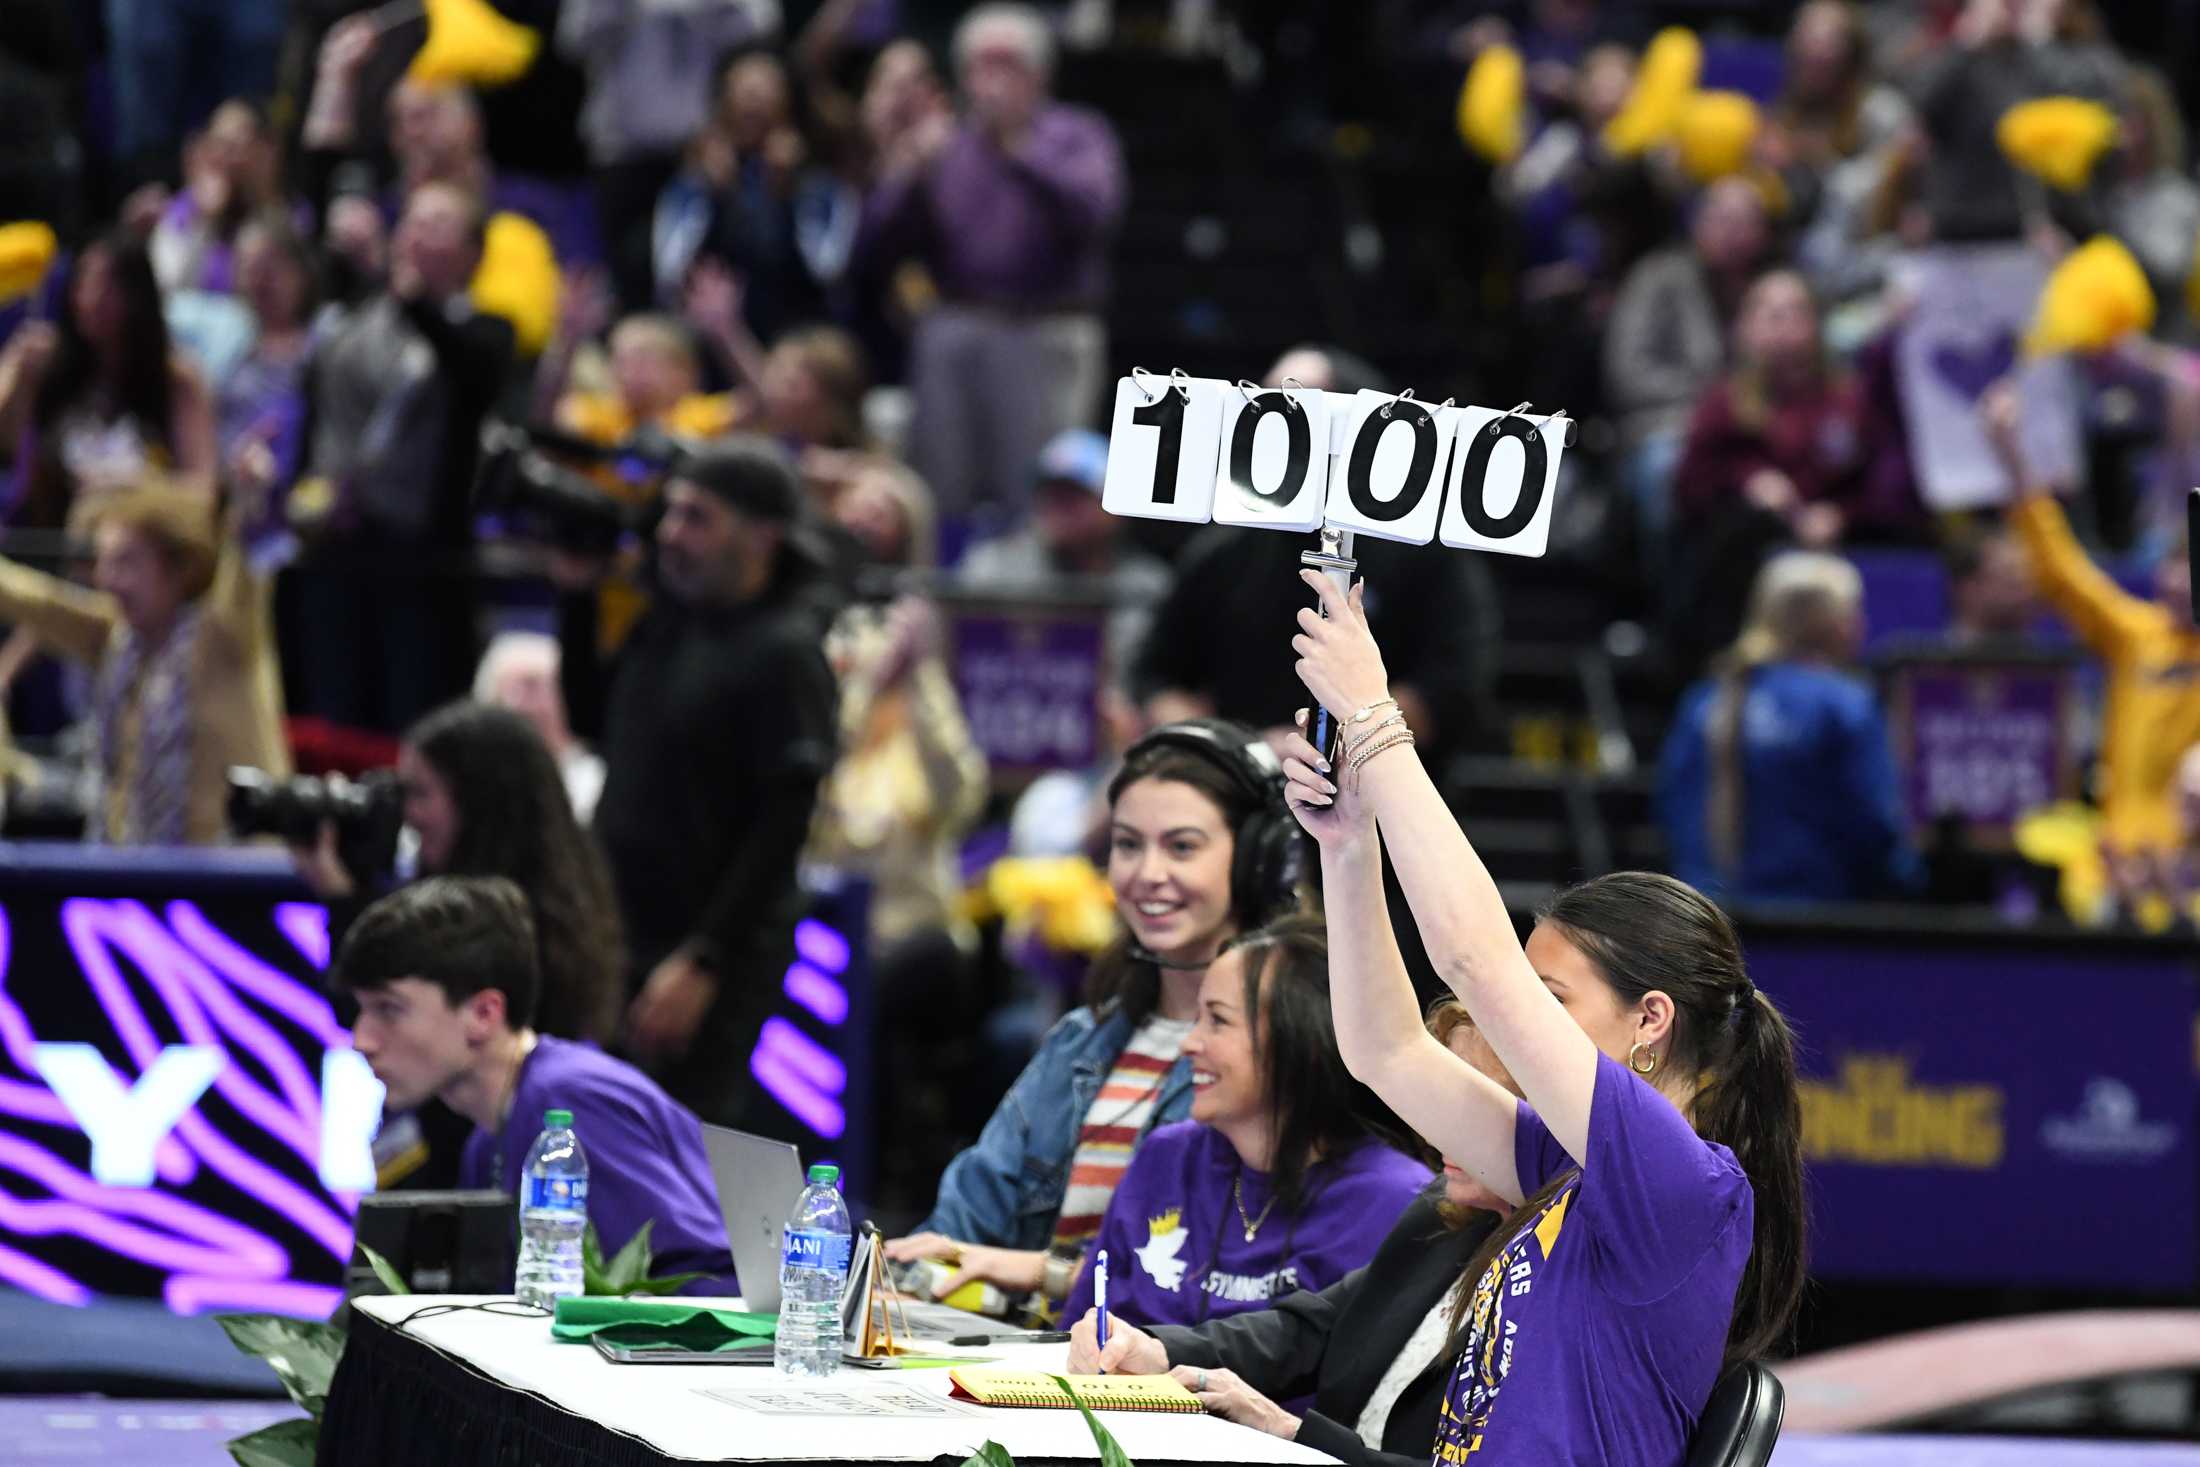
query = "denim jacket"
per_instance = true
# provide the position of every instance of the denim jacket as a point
(1006, 1190)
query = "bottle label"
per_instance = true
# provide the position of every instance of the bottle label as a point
(553, 1194)
(808, 1248)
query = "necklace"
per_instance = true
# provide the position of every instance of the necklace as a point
(1252, 1224)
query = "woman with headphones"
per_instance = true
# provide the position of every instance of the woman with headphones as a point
(1201, 847)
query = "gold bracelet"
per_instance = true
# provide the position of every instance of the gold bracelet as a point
(1403, 737)
(1364, 714)
(1372, 734)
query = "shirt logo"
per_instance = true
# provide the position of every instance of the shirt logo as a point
(1164, 1241)
(2107, 1127)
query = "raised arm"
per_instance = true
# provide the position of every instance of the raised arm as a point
(1462, 921)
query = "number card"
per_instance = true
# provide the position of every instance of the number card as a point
(1163, 444)
(1504, 475)
(1390, 481)
(1275, 459)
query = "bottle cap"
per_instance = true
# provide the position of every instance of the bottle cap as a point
(557, 1120)
(824, 1172)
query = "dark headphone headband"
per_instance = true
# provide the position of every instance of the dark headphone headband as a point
(1231, 747)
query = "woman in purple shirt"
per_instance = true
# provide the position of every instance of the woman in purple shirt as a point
(1285, 1177)
(1656, 1160)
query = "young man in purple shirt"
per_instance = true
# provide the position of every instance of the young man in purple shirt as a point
(445, 974)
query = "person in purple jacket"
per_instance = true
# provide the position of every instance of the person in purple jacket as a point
(445, 974)
(1656, 1159)
(1285, 1177)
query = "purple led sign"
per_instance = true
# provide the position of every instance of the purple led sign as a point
(237, 1218)
(799, 1072)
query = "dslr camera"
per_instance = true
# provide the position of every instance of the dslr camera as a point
(531, 478)
(368, 813)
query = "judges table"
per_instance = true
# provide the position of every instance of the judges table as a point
(475, 1387)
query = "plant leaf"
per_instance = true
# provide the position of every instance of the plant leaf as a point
(302, 1352)
(1111, 1450)
(593, 1280)
(630, 1265)
(385, 1271)
(285, 1444)
(992, 1454)
(671, 1283)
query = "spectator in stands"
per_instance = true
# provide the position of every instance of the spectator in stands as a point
(96, 400)
(1831, 136)
(909, 784)
(2151, 203)
(1782, 448)
(1667, 338)
(445, 975)
(170, 63)
(655, 375)
(1368, 1350)
(1777, 782)
(520, 672)
(806, 391)
(653, 73)
(483, 797)
(741, 199)
(184, 682)
(1072, 544)
(719, 728)
(231, 172)
(383, 601)
(1992, 600)
(1286, 1175)
(1198, 852)
(2150, 647)
(262, 399)
(1011, 212)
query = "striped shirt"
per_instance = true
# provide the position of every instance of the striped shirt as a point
(1119, 1115)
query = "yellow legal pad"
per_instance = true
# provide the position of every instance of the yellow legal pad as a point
(1100, 1392)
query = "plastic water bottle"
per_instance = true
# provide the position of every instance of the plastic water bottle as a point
(553, 1213)
(813, 1273)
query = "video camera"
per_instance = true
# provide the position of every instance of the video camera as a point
(367, 812)
(528, 477)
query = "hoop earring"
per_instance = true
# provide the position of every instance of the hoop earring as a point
(1641, 1058)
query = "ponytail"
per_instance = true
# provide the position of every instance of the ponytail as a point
(1751, 1106)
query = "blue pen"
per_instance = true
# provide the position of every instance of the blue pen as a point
(1100, 1299)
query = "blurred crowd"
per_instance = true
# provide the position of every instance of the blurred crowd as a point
(706, 364)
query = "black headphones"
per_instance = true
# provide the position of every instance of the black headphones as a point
(1269, 857)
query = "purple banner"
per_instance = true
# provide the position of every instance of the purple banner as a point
(1996, 1114)
(1030, 685)
(1983, 741)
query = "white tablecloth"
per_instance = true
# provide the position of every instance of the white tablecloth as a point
(667, 1405)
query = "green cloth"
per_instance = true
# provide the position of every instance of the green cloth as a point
(672, 1324)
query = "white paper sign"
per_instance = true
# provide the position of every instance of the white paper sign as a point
(1389, 480)
(1163, 445)
(1972, 305)
(1275, 459)
(1503, 477)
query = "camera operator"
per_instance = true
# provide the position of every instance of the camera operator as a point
(176, 635)
(483, 797)
(719, 725)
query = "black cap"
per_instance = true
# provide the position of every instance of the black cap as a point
(750, 475)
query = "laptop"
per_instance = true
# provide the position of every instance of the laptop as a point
(758, 1181)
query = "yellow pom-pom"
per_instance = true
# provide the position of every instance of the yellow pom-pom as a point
(1064, 900)
(469, 44)
(1714, 134)
(2097, 296)
(2067, 836)
(1493, 105)
(1663, 84)
(26, 254)
(518, 279)
(2057, 138)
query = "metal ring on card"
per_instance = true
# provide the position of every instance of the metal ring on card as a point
(1182, 381)
(1139, 373)
(1512, 412)
(1243, 386)
(1384, 411)
(1565, 435)
(1295, 385)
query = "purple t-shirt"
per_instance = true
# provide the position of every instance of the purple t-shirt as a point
(1177, 1250)
(1602, 1324)
(645, 1158)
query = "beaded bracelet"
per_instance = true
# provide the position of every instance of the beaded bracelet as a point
(1403, 737)
(1395, 720)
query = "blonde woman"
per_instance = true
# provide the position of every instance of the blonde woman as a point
(1777, 781)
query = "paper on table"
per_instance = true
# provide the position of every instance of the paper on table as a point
(890, 1401)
